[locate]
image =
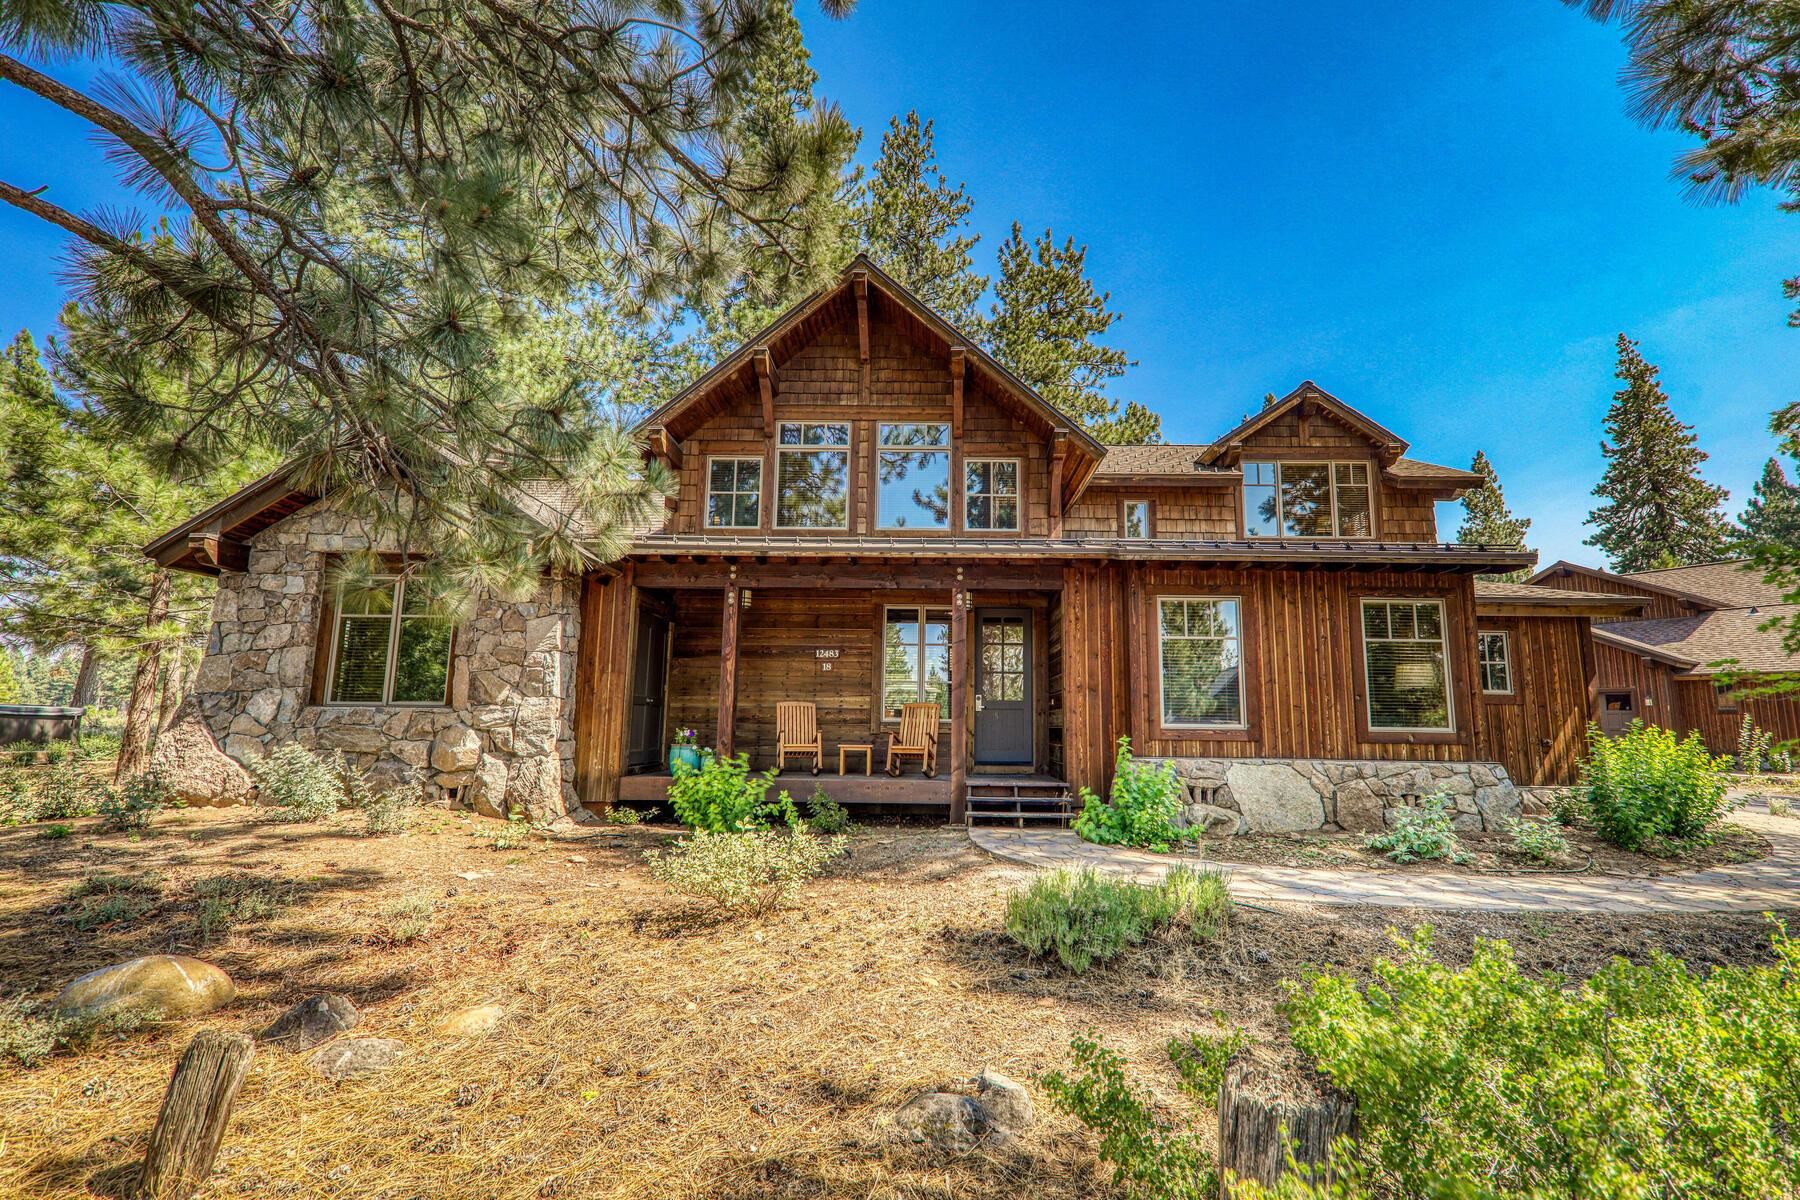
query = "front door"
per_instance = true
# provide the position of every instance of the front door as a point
(1003, 686)
(649, 680)
(1617, 711)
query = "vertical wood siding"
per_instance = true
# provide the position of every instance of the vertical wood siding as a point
(1540, 732)
(603, 685)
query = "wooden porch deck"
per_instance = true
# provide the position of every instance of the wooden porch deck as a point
(857, 788)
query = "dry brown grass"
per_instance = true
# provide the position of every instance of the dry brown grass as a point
(646, 1053)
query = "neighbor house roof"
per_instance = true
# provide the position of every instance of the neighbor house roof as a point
(1735, 583)
(1499, 598)
(1700, 643)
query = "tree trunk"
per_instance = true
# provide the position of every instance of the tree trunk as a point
(140, 712)
(1257, 1136)
(174, 688)
(195, 1111)
(87, 679)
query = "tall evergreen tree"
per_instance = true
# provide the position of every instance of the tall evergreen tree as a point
(1659, 511)
(911, 222)
(1772, 515)
(1045, 325)
(1486, 519)
(371, 202)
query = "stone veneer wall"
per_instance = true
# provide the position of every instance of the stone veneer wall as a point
(1290, 795)
(505, 741)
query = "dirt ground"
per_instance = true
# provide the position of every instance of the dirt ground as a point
(1490, 854)
(645, 1054)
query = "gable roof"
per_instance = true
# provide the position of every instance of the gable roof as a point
(1310, 395)
(1732, 583)
(1733, 635)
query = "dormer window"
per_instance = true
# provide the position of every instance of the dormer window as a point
(1307, 500)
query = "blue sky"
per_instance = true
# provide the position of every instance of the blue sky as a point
(1439, 212)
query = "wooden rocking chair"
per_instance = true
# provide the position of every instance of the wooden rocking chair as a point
(916, 738)
(797, 733)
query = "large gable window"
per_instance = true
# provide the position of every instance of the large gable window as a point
(1406, 666)
(388, 648)
(915, 659)
(1316, 500)
(1200, 660)
(913, 477)
(812, 473)
(734, 493)
(991, 493)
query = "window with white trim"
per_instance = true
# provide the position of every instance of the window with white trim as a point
(734, 493)
(912, 484)
(812, 475)
(915, 659)
(991, 493)
(1406, 666)
(1200, 661)
(1495, 659)
(1307, 499)
(388, 647)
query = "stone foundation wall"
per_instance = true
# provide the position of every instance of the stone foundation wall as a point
(505, 741)
(1292, 795)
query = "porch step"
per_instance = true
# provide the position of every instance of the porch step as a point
(1008, 802)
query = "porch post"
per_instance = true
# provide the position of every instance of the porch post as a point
(723, 742)
(959, 702)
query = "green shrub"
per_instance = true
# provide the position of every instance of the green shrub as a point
(1566, 807)
(1539, 841)
(751, 872)
(1420, 832)
(825, 815)
(67, 791)
(22, 754)
(1150, 1156)
(389, 811)
(1645, 1081)
(722, 796)
(98, 747)
(136, 804)
(1144, 809)
(1201, 1060)
(510, 834)
(409, 918)
(31, 1032)
(1647, 787)
(300, 785)
(1084, 917)
(225, 901)
(1779, 806)
(108, 898)
(619, 814)
(54, 833)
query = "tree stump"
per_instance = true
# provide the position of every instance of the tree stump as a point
(1256, 1137)
(195, 1111)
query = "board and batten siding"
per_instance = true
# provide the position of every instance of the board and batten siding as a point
(1539, 731)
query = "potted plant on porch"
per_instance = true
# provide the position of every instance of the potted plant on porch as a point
(685, 751)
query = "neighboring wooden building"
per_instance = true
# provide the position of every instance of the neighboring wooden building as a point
(1695, 653)
(871, 511)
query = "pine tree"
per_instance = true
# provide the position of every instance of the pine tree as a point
(1045, 326)
(1486, 519)
(374, 211)
(911, 222)
(1659, 511)
(1773, 513)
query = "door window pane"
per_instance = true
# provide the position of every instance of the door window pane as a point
(1201, 662)
(913, 478)
(1406, 665)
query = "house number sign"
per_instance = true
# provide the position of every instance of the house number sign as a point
(826, 658)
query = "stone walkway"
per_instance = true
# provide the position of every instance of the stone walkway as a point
(1769, 883)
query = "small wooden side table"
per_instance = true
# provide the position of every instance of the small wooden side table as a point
(865, 749)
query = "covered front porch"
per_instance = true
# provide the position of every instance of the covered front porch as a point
(715, 645)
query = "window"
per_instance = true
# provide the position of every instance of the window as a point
(915, 659)
(1406, 666)
(1316, 500)
(1134, 521)
(1199, 658)
(913, 477)
(812, 475)
(734, 493)
(1724, 698)
(388, 648)
(991, 493)
(1495, 649)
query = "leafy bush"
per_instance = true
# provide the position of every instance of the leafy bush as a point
(54, 833)
(1201, 1060)
(108, 898)
(619, 814)
(102, 747)
(31, 1032)
(1539, 841)
(409, 918)
(1645, 1081)
(825, 815)
(1757, 752)
(136, 804)
(1420, 832)
(300, 785)
(1150, 1156)
(1144, 809)
(751, 872)
(1566, 807)
(389, 811)
(721, 796)
(1646, 786)
(67, 792)
(1085, 917)
(1781, 806)
(510, 834)
(225, 901)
